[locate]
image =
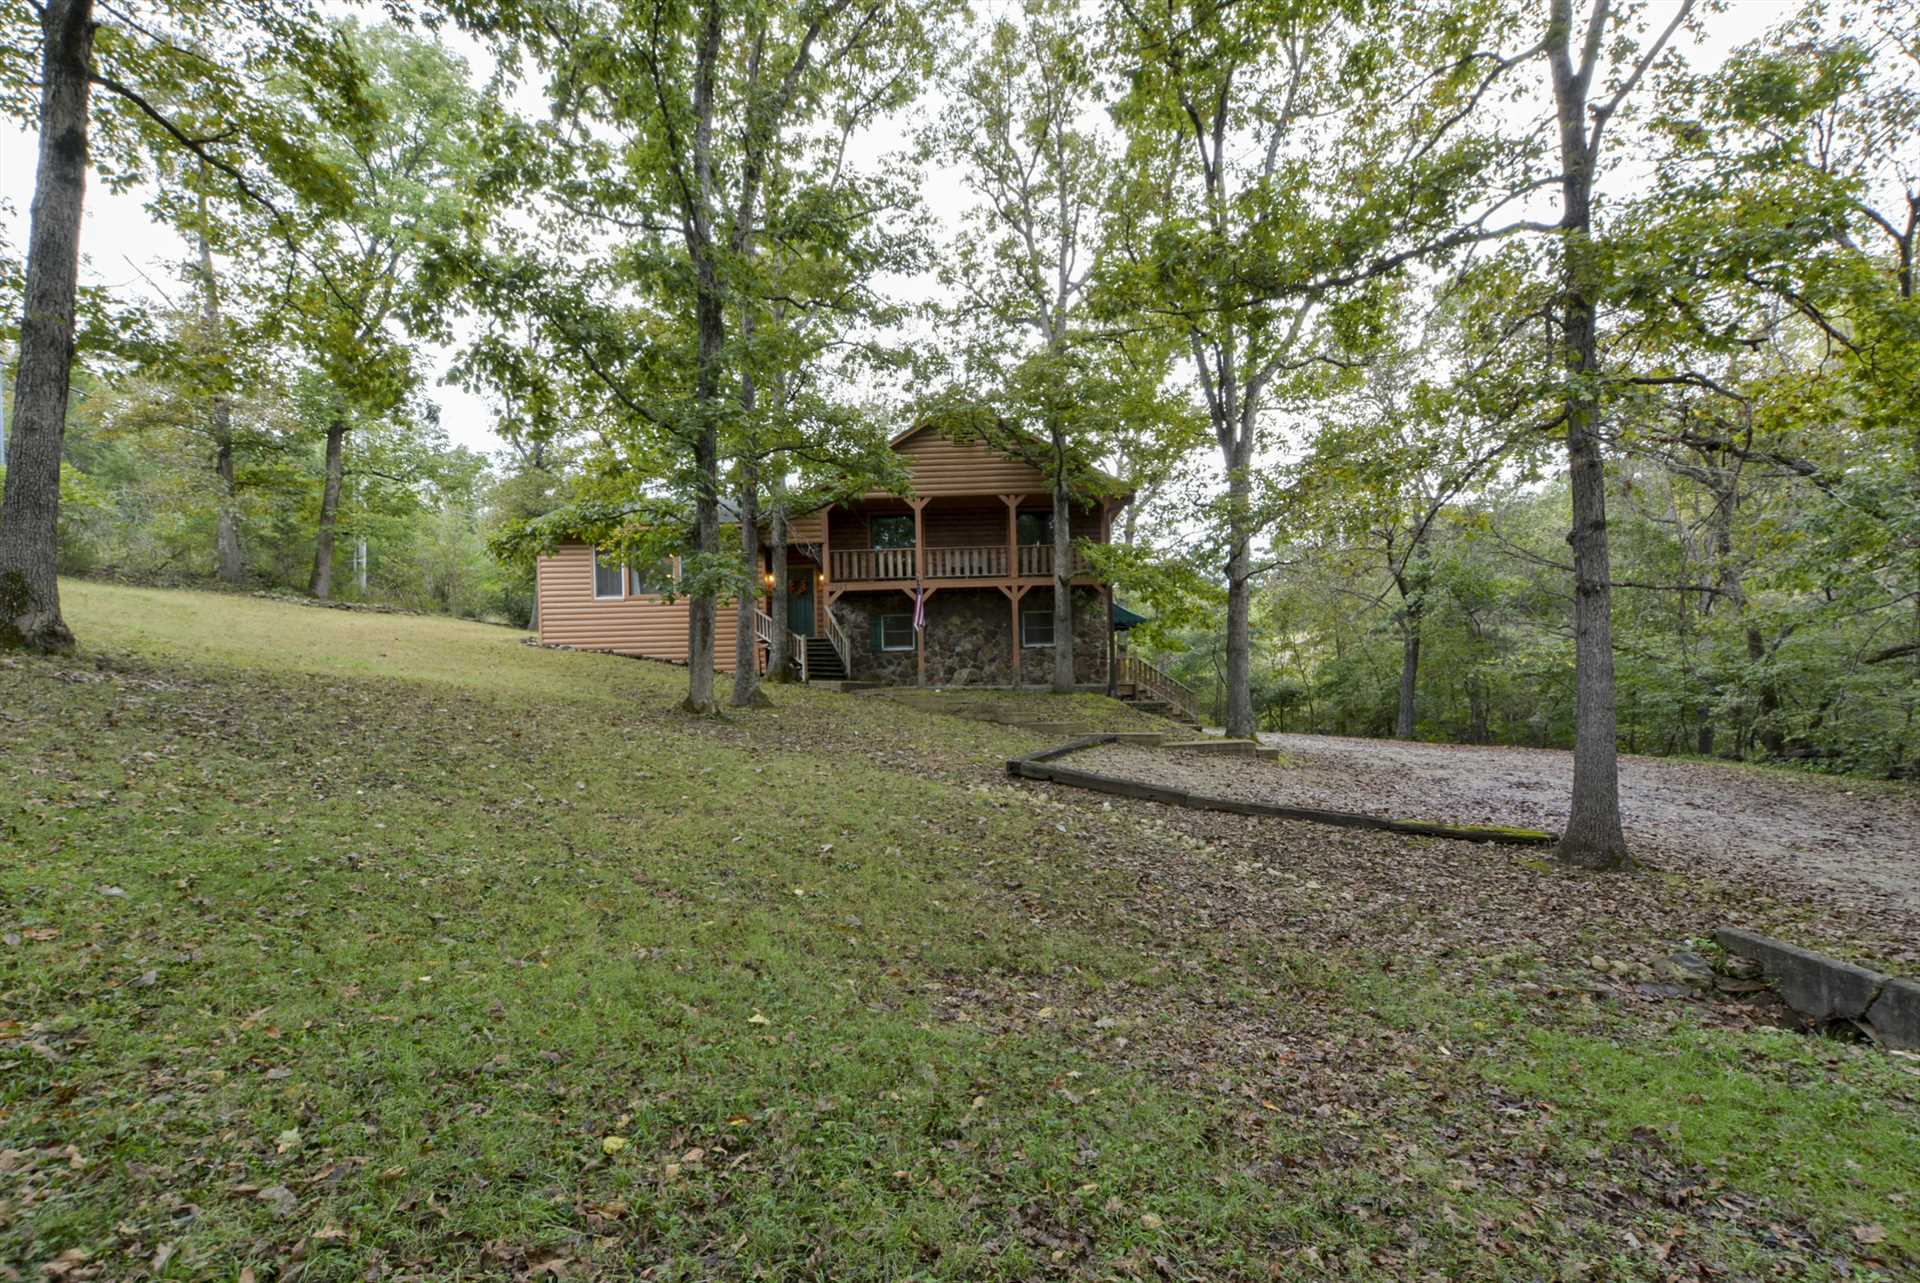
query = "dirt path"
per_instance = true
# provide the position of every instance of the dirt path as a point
(1854, 842)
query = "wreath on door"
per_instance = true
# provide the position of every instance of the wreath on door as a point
(799, 585)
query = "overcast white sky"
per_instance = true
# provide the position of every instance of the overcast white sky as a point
(124, 250)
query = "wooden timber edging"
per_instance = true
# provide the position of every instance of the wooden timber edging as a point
(1039, 766)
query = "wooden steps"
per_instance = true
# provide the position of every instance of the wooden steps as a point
(823, 662)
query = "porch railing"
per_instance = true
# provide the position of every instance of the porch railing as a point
(1141, 675)
(763, 635)
(1036, 561)
(988, 561)
(853, 565)
(980, 561)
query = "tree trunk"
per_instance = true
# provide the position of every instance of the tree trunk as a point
(1062, 585)
(701, 603)
(30, 509)
(321, 584)
(1239, 712)
(780, 652)
(229, 563)
(746, 649)
(1477, 729)
(1771, 737)
(1593, 839)
(710, 321)
(1405, 721)
(230, 560)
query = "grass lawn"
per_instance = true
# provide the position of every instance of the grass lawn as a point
(355, 946)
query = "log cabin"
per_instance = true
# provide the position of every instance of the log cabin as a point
(973, 541)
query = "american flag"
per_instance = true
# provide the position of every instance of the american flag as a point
(919, 610)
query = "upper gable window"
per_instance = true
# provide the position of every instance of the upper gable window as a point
(893, 532)
(1035, 528)
(609, 577)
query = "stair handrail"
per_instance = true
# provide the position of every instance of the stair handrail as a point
(763, 632)
(1164, 685)
(836, 638)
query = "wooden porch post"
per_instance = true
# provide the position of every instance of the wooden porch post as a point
(1106, 537)
(1013, 614)
(1110, 674)
(1012, 588)
(826, 546)
(919, 578)
(1014, 593)
(1013, 536)
(920, 634)
(919, 538)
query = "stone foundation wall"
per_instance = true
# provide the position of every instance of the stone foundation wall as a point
(1089, 638)
(968, 638)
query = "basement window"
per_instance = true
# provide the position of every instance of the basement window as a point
(893, 632)
(1036, 627)
(609, 578)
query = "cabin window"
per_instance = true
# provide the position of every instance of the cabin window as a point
(608, 575)
(1036, 627)
(893, 532)
(1035, 528)
(643, 581)
(893, 632)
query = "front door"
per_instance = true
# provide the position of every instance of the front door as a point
(800, 601)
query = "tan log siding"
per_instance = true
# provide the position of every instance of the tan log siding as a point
(943, 467)
(808, 528)
(570, 616)
(967, 527)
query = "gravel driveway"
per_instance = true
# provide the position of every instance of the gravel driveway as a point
(1856, 842)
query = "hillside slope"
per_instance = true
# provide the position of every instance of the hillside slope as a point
(357, 946)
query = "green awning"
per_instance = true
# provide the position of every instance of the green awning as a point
(1124, 618)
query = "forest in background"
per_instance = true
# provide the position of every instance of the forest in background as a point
(1283, 269)
(146, 499)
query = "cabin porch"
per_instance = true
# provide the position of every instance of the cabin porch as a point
(978, 541)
